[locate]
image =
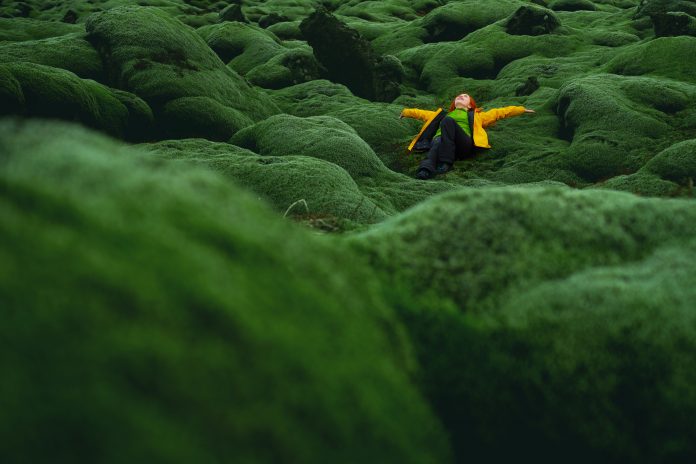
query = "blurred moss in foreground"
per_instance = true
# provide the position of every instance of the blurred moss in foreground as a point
(153, 312)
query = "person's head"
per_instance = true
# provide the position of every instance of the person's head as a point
(463, 101)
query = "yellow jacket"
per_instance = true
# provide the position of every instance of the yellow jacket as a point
(482, 119)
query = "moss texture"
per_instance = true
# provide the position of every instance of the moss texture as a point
(547, 303)
(160, 59)
(155, 342)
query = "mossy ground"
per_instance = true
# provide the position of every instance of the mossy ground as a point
(546, 284)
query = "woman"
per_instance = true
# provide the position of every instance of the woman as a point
(454, 135)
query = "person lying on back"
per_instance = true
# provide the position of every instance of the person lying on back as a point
(449, 136)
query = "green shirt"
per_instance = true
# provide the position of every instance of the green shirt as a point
(462, 118)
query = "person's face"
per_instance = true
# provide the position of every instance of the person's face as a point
(462, 101)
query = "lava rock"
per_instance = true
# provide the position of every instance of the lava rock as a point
(532, 20)
(70, 17)
(233, 12)
(529, 87)
(673, 24)
(271, 19)
(350, 59)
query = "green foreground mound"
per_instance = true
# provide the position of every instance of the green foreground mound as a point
(572, 333)
(153, 312)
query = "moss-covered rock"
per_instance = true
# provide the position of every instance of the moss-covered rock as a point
(305, 188)
(481, 247)
(610, 134)
(349, 58)
(572, 5)
(321, 137)
(677, 163)
(456, 20)
(242, 46)
(576, 369)
(42, 91)
(69, 51)
(664, 57)
(295, 66)
(673, 24)
(180, 318)
(20, 29)
(160, 59)
(532, 20)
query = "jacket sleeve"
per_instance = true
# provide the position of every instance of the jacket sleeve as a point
(414, 113)
(491, 116)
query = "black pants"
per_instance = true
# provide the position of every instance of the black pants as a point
(454, 144)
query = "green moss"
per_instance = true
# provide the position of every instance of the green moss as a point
(21, 29)
(179, 320)
(663, 57)
(644, 184)
(480, 247)
(242, 46)
(56, 93)
(160, 59)
(327, 192)
(572, 5)
(295, 66)
(577, 369)
(289, 30)
(677, 163)
(321, 137)
(455, 20)
(610, 134)
(11, 96)
(69, 51)
(201, 117)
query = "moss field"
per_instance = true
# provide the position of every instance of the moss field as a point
(214, 248)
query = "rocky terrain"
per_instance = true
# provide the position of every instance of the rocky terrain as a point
(215, 250)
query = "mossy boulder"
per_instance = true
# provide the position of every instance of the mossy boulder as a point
(41, 91)
(233, 12)
(241, 46)
(295, 66)
(652, 7)
(676, 163)
(350, 59)
(481, 247)
(532, 20)
(456, 20)
(577, 369)
(156, 57)
(664, 57)
(572, 5)
(308, 189)
(610, 133)
(182, 318)
(20, 29)
(70, 51)
(321, 137)
(674, 23)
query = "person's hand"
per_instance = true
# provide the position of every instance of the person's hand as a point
(529, 111)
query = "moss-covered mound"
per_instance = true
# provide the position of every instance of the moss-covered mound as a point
(70, 51)
(153, 311)
(36, 90)
(156, 57)
(598, 366)
(306, 188)
(571, 335)
(318, 136)
(481, 247)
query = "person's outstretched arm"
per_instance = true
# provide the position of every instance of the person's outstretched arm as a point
(415, 113)
(491, 116)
